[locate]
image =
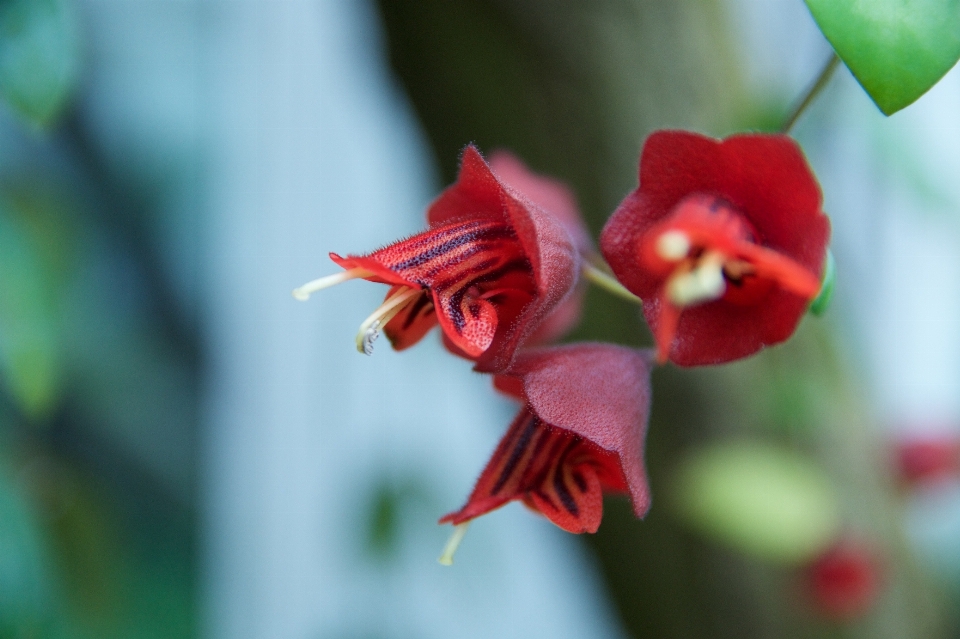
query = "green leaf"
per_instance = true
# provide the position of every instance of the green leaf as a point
(897, 49)
(29, 326)
(763, 500)
(38, 57)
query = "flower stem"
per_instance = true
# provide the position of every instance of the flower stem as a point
(608, 282)
(825, 74)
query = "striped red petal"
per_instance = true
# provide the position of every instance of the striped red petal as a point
(546, 242)
(579, 434)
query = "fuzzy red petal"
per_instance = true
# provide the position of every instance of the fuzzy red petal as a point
(564, 318)
(479, 194)
(600, 392)
(413, 322)
(553, 196)
(553, 470)
(580, 433)
(767, 179)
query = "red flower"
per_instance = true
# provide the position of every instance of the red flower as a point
(579, 433)
(490, 268)
(844, 582)
(724, 241)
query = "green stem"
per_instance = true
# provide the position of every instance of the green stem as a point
(608, 283)
(812, 92)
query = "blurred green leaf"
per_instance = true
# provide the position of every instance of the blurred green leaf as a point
(391, 503)
(80, 536)
(897, 49)
(38, 57)
(27, 601)
(29, 331)
(762, 500)
(383, 525)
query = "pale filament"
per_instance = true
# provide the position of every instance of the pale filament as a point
(446, 557)
(701, 281)
(370, 328)
(302, 293)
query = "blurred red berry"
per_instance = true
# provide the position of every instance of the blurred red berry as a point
(843, 582)
(927, 458)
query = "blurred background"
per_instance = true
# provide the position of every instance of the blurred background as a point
(185, 451)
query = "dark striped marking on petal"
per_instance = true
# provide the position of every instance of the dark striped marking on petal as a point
(551, 469)
(460, 264)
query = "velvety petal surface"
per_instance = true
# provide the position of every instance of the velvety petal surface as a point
(600, 392)
(555, 198)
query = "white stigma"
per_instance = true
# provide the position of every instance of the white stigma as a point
(370, 328)
(703, 283)
(673, 246)
(302, 293)
(446, 557)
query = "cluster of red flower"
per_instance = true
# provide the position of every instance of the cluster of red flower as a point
(723, 241)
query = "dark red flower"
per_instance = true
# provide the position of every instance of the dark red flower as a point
(843, 582)
(489, 270)
(580, 433)
(724, 241)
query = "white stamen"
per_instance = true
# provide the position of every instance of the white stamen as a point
(370, 328)
(673, 245)
(446, 557)
(702, 284)
(302, 293)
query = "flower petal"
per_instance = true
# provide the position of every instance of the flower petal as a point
(553, 196)
(600, 392)
(553, 470)
(413, 322)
